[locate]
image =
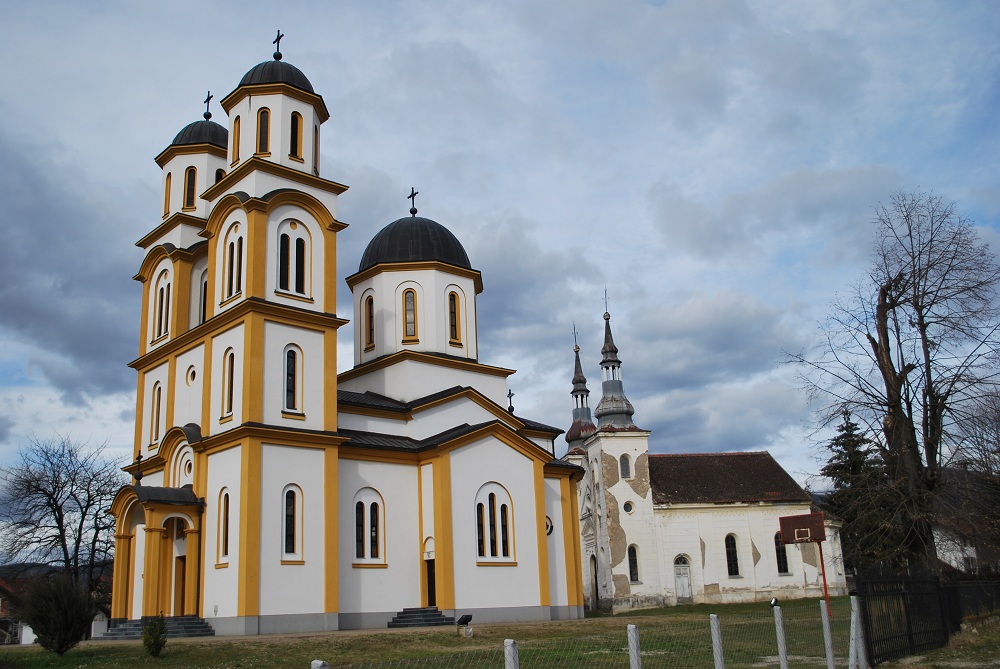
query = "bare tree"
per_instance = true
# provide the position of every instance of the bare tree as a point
(913, 351)
(53, 508)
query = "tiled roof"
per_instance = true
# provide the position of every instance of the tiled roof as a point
(721, 478)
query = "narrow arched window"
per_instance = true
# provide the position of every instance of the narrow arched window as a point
(295, 136)
(780, 554)
(732, 557)
(233, 263)
(369, 535)
(236, 140)
(454, 313)
(203, 298)
(228, 389)
(481, 529)
(504, 537)
(316, 150)
(239, 264)
(284, 261)
(494, 523)
(626, 466)
(369, 322)
(219, 175)
(155, 413)
(410, 314)
(300, 266)
(633, 564)
(293, 257)
(293, 365)
(264, 131)
(190, 181)
(161, 324)
(291, 521)
(166, 195)
(373, 531)
(224, 524)
(359, 530)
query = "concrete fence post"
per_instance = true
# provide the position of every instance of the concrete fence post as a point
(779, 631)
(634, 656)
(720, 662)
(511, 660)
(824, 613)
(858, 655)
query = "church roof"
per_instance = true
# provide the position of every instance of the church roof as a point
(182, 496)
(721, 478)
(277, 72)
(414, 239)
(202, 132)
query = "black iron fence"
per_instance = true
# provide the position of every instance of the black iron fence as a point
(910, 613)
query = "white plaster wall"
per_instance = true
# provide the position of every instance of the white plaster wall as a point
(398, 584)
(494, 586)
(276, 337)
(355, 421)
(156, 375)
(194, 298)
(558, 590)
(291, 588)
(281, 108)
(232, 338)
(206, 164)
(314, 246)
(221, 578)
(188, 392)
(435, 420)
(427, 507)
(182, 236)
(259, 184)
(411, 379)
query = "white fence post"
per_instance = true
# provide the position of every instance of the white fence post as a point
(859, 658)
(779, 630)
(510, 656)
(720, 662)
(827, 636)
(634, 657)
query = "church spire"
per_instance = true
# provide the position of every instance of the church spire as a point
(582, 426)
(614, 410)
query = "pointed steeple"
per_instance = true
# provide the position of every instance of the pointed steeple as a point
(582, 426)
(614, 410)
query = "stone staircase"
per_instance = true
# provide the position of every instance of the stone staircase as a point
(425, 617)
(180, 626)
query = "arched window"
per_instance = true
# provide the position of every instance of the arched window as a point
(626, 466)
(295, 137)
(633, 564)
(264, 131)
(454, 322)
(166, 195)
(494, 523)
(732, 557)
(780, 554)
(410, 315)
(293, 257)
(156, 414)
(293, 379)
(316, 150)
(190, 181)
(228, 385)
(223, 539)
(291, 524)
(369, 534)
(203, 298)
(219, 175)
(234, 263)
(161, 326)
(369, 323)
(236, 140)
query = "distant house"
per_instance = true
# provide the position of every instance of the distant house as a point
(14, 580)
(683, 528)
(967, 522)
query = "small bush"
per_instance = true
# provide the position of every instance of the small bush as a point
(58, 611)
(154, 635)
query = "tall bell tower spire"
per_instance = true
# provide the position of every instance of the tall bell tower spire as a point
(582, 426)
(614, 410)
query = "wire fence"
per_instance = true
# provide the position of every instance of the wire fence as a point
(804, 637)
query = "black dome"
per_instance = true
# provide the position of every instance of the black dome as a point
(414, 239)
(277, 72)
(202, 132)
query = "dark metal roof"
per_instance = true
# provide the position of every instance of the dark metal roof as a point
(277, 72)
(721, 478)
(541, 427)
(183, 495)
(414, 239)
(370, 400)
(202, 132)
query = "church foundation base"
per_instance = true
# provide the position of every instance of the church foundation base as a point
(275, 624)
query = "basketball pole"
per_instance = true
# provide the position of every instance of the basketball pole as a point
(826, 591)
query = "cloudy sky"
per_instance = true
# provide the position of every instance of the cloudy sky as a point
(713, 165)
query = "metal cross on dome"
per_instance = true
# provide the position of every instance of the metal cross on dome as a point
(277, 41)
(208, 100)
(412, 197)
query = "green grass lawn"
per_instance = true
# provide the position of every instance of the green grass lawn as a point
(672, 637)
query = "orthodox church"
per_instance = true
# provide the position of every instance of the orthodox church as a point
(664, 529)
(270, 494)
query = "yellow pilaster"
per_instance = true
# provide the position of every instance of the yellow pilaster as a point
(120, 577)
(192, 572)
(331, 575)
(444, 559)
(206, 391)
(253, 368)
(543, 544)
(571, 540)
(256, 265)
(330, 379)
(152, 567)
(179, 311)
(330, 271)
(248, 594)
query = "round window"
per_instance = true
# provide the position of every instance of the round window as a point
(628, 507)
(191, 375)
(188, 468)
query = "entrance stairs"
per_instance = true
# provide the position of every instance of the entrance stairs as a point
(180, 626)
(421, 617)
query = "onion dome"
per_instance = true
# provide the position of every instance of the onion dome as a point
(414, 239)
(202, 132)
(582, 426)
(277, 72)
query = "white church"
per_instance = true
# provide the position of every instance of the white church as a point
(667, 529)
(270, 494)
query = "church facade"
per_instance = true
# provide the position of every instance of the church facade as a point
(667, 529)
(271, 494)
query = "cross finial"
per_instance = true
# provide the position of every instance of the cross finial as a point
(138, 469)
(606, 299)
(412, 197)
(575, 342)
(510, 401)
(277, 45)
(208, 100)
